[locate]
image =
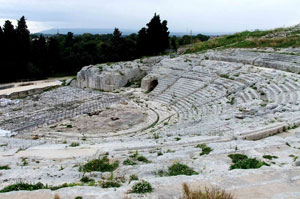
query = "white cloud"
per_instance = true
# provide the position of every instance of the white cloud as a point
(33, 26)
(204, 15)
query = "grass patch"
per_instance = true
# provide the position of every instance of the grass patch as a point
(213, 193)
(5, 167)
(142, 187)
(102, 165)
(247, 39)
(269, 157)
(129, 162)
(74, 144)
(241, 161)
(86, 179)
(23, 186)
(205, 149)
(110, 184)
(143, 159)
(133, 178)
(180, 169)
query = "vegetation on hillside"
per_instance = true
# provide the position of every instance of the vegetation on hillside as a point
(24, 56)
(277, 38)
(207, 193)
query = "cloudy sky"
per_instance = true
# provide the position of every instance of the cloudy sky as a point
(182, 15)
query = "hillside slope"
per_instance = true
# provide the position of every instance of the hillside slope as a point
(277, 38)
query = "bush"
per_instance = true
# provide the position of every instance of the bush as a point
(181, 169)
(23, 186)
(85, 179)
(102, 165)
(74, 144)
(5, 167)
(269, 157)
(129, 162)
(143, 159)
(64, 186)
(205, 149)
(241, 161)
(109, 184)
(213, 193)
(133, 177)
(142, 187)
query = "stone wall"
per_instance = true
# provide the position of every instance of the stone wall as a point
(108, 77)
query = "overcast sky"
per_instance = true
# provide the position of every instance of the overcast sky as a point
(182, 15)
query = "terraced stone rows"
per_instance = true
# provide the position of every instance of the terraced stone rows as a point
(228, 90)
(54, 110)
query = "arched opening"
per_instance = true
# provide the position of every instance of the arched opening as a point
(152, 85)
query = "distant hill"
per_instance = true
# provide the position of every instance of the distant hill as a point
(80, 31)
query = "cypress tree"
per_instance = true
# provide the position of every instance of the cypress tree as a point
(69, 40)
(142, 42)
(23, 50)
(39, 57)
(165, 36)
(1, 46)
(54, 57)
(154, 40)
(1, 34)
(9, 48)
(118, 46)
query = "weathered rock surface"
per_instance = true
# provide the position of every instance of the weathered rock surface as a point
(111, 76)
(226, 99)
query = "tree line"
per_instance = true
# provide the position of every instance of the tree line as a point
(24, 56)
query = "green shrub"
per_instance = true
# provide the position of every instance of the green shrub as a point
(102, 165)
(129, 162)
(53, 188)
(269, 157)
(86, 179)
(181, 169)
(74, 144)
(237, 157)
(143, 159)
(224, 76)
(23, 186)
(109, 184)
(205, 149)
(135, 155)
(133, 177)
(241, 161)
(142, 187)
(5, 167)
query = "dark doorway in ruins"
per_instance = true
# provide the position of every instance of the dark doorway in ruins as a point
(153, 84)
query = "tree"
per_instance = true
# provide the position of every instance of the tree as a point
(165, 36)
(9, 48)
(174, 43)
(69, 40)
(1, 35)
(39, 57)
(1, 44)
(23, 50)
(142, 42)
(118, 46)
(155, 39)
(54, 55)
